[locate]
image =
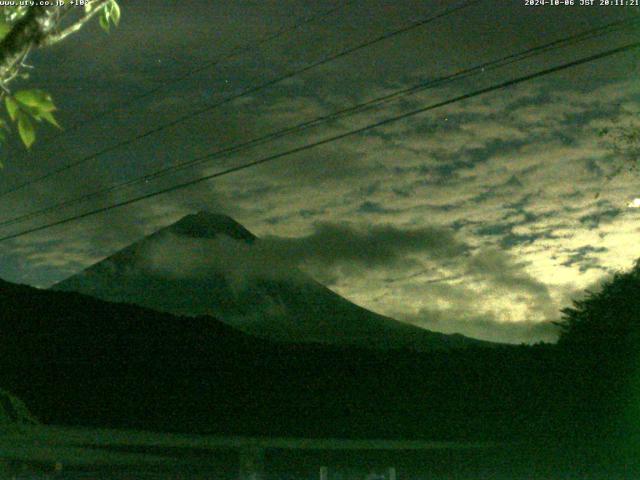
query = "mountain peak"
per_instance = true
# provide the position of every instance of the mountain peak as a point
(208, 225)
(248, 288)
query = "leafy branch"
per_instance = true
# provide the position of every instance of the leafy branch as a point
(27, 105)
(24, 29)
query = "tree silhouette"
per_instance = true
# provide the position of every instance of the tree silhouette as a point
(608, 319)
(601, 334)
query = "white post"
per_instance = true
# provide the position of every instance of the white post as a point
(324, 473)
(392, 473)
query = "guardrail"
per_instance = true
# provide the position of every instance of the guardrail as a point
(56, 447)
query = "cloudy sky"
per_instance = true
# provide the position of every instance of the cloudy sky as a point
(483, 217)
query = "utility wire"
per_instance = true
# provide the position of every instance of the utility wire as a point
(243, 93)
(476, 70)
(270, 158)
(233, 53)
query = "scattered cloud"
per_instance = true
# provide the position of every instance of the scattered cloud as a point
(488, 214)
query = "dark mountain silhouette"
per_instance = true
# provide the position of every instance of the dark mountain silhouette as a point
(77, 360)
(207, 264)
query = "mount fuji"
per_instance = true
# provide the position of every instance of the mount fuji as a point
(208, 264)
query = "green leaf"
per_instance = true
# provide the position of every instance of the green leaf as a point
(115, 12)
(48, 116)
(37, 99)
(12, 107)
(104, 19)
(26, 129)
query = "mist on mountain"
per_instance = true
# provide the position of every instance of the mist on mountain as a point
(208, 264)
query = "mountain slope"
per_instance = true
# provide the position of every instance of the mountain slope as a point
(77, 360)
(207, 264)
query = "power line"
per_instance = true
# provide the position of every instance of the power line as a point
(331, 139)
(245, 92)
(482, 68)
(234, 52)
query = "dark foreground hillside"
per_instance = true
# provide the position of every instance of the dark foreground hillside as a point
(75, 360)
